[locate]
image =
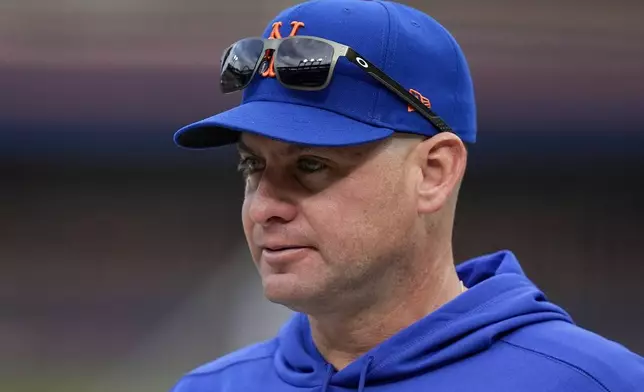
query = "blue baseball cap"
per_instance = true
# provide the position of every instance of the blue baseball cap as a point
(408, 45)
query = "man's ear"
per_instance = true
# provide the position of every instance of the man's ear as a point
(442, 159)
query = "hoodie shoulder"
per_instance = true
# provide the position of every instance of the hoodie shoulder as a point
(250, 353)
(209, 373)
(610, 365)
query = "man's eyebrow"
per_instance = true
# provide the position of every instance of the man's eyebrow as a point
(294, 149)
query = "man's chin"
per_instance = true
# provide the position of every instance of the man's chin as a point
(288, 290)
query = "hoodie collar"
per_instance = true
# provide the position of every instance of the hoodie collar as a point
(499, 299)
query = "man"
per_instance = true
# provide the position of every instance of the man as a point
(351, 139)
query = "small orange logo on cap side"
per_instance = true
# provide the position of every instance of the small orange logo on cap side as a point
(421, 98)
(276, 34)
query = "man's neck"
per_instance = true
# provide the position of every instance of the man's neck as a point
(343, 337)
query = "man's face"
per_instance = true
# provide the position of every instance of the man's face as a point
(324, 224)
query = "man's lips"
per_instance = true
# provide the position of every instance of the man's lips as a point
(282, 254)
(277, 248)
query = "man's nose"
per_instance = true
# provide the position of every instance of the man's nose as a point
(271, 201)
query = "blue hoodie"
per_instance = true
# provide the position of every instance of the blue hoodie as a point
(500, 335)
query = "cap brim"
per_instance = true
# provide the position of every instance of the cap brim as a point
(286, 122)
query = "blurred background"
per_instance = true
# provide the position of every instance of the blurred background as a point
(123, 263)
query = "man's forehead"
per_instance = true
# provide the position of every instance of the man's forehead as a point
(274, 146)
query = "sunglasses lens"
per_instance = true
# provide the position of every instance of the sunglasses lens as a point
(303, 62)
(238, 64)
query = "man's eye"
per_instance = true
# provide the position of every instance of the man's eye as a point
(249, 165)
(308, 165)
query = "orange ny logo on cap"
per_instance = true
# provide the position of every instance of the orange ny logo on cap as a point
(268, 56)
(420, 97)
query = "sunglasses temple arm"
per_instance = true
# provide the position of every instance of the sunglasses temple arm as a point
(396, 88)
